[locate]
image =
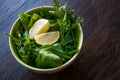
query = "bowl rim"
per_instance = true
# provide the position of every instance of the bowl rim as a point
(50, 70)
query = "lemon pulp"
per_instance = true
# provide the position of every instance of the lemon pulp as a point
(40, 26)
(47, 38)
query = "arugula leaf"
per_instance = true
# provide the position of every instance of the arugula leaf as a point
(25, 19)
(28, 20)
(59, 52)
(56, 4)
(33, 19)
(67, 39)
(13, 38)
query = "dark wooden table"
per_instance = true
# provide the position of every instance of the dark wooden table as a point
(99, 58)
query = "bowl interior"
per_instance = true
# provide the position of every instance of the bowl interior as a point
(17, 24)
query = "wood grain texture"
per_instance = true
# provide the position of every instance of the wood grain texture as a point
(99, 58)
(9, 7)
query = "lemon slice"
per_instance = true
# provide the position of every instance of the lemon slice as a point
(47, 38)
(40, 26)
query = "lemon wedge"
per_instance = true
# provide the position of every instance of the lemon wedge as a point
(47, 38)
(40, 26)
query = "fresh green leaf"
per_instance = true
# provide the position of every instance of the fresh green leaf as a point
(33, 19)
(25, 19)
(47, 59)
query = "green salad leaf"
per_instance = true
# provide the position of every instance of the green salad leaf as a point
(25, 19)
(47, 59)
(48, 56)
